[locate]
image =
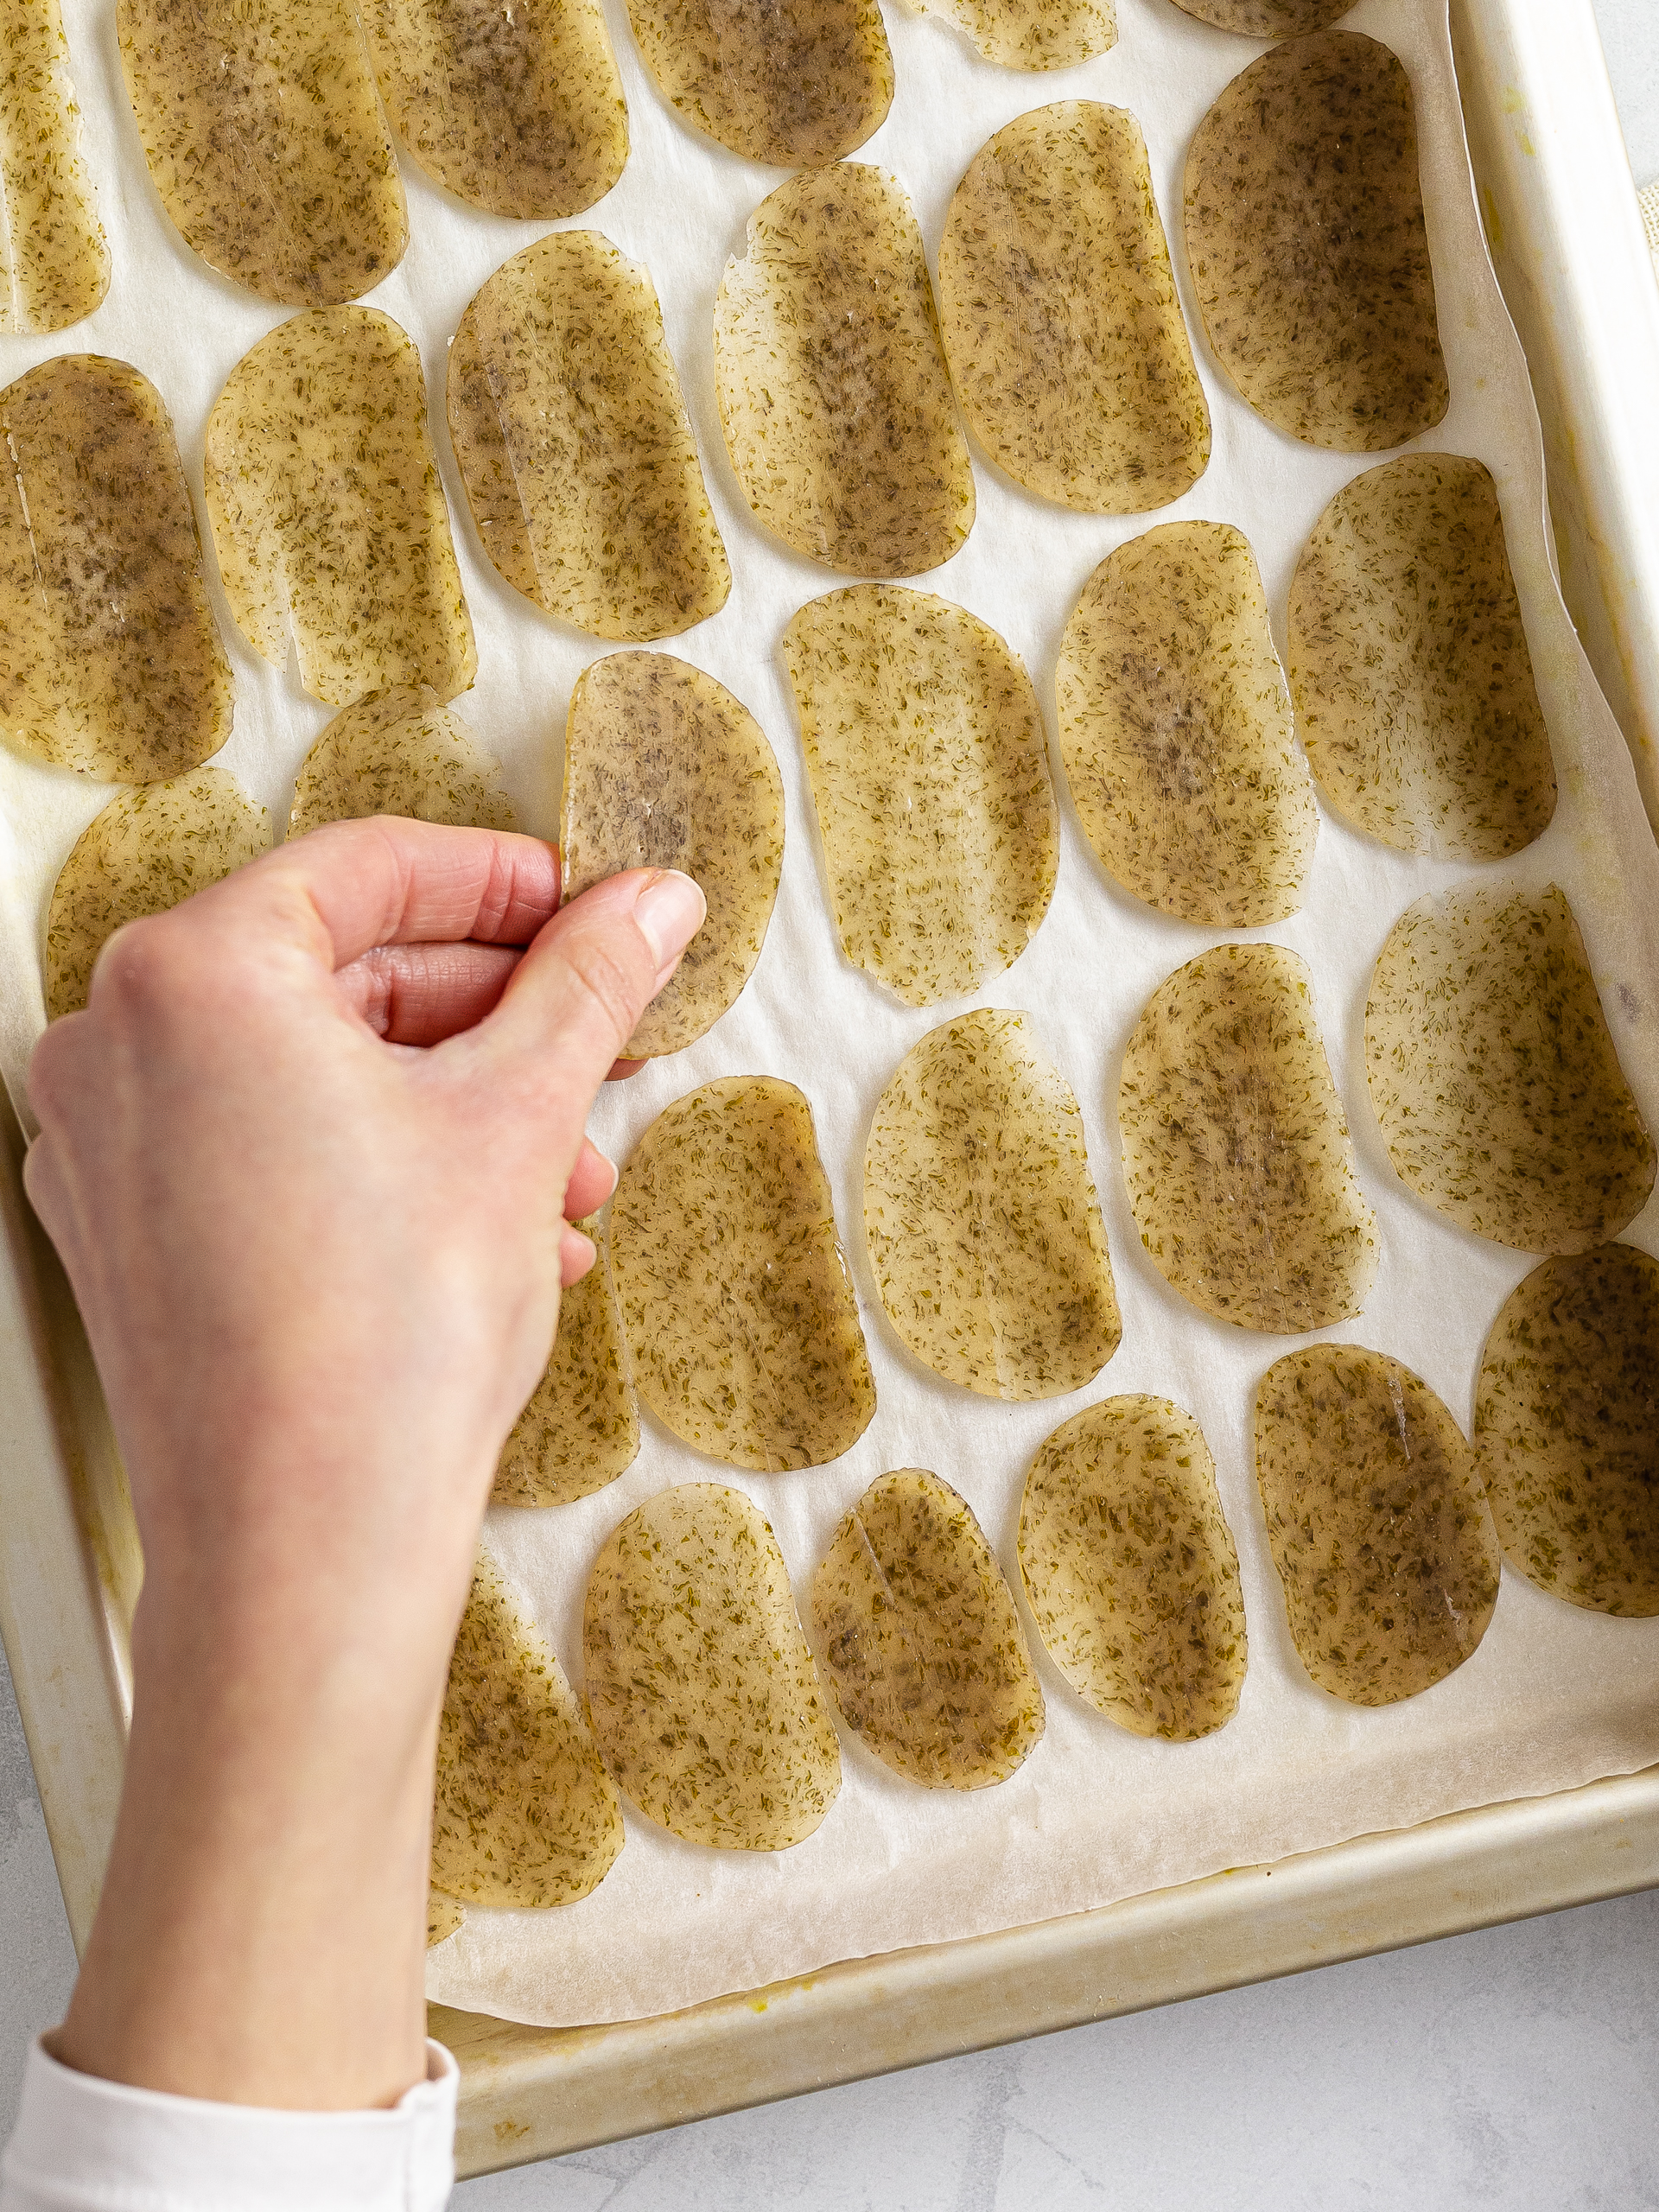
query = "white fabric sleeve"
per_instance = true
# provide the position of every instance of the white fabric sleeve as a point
(83, 2144)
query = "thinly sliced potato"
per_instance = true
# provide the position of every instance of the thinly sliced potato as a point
(793, 82)
(930, 778)
(1492, 1074)
(984, 1230)
(112, 664)
(834, 394)
(1267, 18)
(146, 851)
(919, 1639)
(1130, 1569)
(574, 446)
(524, 1813)
(263, 133)
(54, 261)
(1177, 732)
(1060, 318)
(328, 513)
(1376, 1520)
(580, 1428)
(664, 768)
(399, 752)
(1409, 665)
(737, 1301)
(1566, 1427)
(518, 109)
(1236, 1147)
(1305, 237)
(1032, 34)
(701, 1687)
(443, 1916)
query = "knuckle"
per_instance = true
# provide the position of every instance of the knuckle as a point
(137, 968)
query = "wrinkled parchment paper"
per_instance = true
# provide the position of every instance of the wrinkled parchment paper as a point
(1554, 1697)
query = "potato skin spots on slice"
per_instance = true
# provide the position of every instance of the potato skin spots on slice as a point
(1032, 34)
(54, 260)
(400, 752)
(793, 82)
(580, 1427)
(1267, 18)
(444, 1914)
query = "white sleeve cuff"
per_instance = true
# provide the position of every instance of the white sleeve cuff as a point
(83, 2144)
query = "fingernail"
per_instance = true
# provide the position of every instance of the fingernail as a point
(669, 911)
(614, 1172)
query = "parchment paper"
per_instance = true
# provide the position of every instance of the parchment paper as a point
(1554, 1696)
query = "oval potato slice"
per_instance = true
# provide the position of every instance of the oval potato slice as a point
(1130, 1569)
(400, 752)
(919, 1640)
(443, 1916)
(580, 1427)
(1493, 1077)
(1236, 1147)
(664, 768)
(1376, 1520)
(54, 261)
(794, 82)
(146, 851)
(701, 1687)
(112, 664)
(736, 1302)
(834, 394)
(574, 446)
(1060, 318)
(517, 109)
(1566, 1427)
(1409, 665)
(984, 1230)
(265, 137)
(1305, 237)
(328, 514)
(1177, 732)
(930, 778)
(1032, 34)
(1267, 18)
(524, 1813)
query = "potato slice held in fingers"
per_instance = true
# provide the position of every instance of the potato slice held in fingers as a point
(149, 850)
(54, 261)
(793, 82)
(664, 768)
(111, 663)
(1177, 732)
(1060, 316)
(1376, 1521)
(328, 513)
(1236, 1148)
(1130, 1569)
(580, 1427)
(444, 1914)
(930, 778)
(919, 1640)
(834, 395)
(984, 1230)
(399, 752)
(1494, 1078)
(1032, 34)
(701, 1687)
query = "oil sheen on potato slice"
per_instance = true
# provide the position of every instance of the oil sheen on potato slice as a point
(1305, 237)
(146, 851)
(54, 263)
(400, 752)
(524, 1813)
(984, 1230)
(793, 82)
(444, 1916)
(328, 513)
(1267, 18)
(1566, 1426)
(919, 1640)
(1130, 1569)
(580, 1428)
(1376, 1522)
(700, 1685)
(925, 744)
(1492, 1074)
(574, 446)
(736, 1302)
(1236, 1147)
(265, 139)
(664, 768)
(1032, 34)
(1176, 734)
(1060, 317)
(518, 109)
(1409, 665)
(110, 659)
(833, 389)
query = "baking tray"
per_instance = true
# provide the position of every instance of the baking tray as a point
(1556, 195)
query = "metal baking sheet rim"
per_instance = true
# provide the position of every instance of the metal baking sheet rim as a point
(1554, 187)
